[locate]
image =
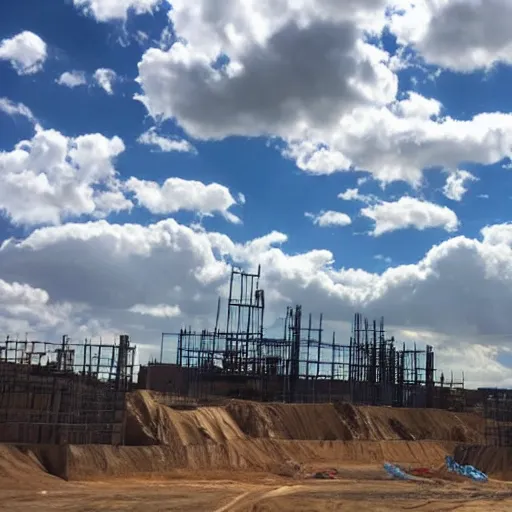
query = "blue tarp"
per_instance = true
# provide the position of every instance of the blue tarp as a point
(467, 471)
(395, 471)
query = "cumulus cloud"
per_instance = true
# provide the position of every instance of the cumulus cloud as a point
(392, 147)
(458, 34)
(329, 218)
(105, 79)
(269, 83)
(25, 51)
(498, 234)
(417, 106)
(353, 194)
(458, 293)
(165, 144)
(456, 184)
(252, 69)
(52, 177)
(16, 293)
(16, 109)
(109, 10)
(72, 79)
(24, 308)
(409, 212)
(178, 194)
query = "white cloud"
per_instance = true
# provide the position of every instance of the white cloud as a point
(158, 311)
(381, 257)
(458, 34)
(458, 293)
(16, 109)
(109, 10)
(26, 52)
(329, 218)
(277, 52)
(417, 106)
(349, 120)
(141, 37)
(409, 212)
(393, 148)
(353, 194)
(110, 201)
(16, 293)
(498, 234)
(456, 184)
(105, 79)
(166, 144)
(24, 308)
(178, 194)
(72, 79)
(52, 177)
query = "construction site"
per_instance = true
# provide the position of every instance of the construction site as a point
(240, 420)
(305, 365)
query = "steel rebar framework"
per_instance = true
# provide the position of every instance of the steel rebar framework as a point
(56, 393)
(302, 365)
(498, 417)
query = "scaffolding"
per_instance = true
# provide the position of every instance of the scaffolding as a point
(498, 417)
(58, 393)
(303, 365)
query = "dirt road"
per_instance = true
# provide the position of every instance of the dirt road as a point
(360, 488)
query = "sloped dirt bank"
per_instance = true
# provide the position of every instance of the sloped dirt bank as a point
(25, 464)
(150, 423)
(91, 462)
(250, 436)
(493, 460)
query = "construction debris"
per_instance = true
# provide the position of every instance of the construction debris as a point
(467, 470)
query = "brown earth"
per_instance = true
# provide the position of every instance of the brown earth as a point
(250, 456)
(493, 460)
(149, 422)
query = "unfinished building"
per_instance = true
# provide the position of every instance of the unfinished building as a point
(302, 365)
(60, 393)
(498, 416)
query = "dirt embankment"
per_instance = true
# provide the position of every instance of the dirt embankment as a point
(493, 460)
(261, 437)
(24, 466)
(347, 422)
(267, 437)
(150, 423)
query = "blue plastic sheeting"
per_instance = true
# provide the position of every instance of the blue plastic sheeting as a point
(395, 471)
(468, 471)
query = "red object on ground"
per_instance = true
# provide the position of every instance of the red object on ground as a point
(420, 471)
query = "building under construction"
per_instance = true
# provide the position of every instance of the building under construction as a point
(498, 416)
(237, 359)
(60, 393)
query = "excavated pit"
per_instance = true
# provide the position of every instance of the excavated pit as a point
(241, 435)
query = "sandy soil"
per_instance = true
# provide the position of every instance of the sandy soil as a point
(245, 456)
(358, 487)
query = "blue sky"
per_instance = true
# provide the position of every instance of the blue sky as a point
(382, 99)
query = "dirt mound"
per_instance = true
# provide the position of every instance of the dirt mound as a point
(420, 424)
(150, 423)
(493, 460)
(283, 421)
(346, 422)
(20, 465)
